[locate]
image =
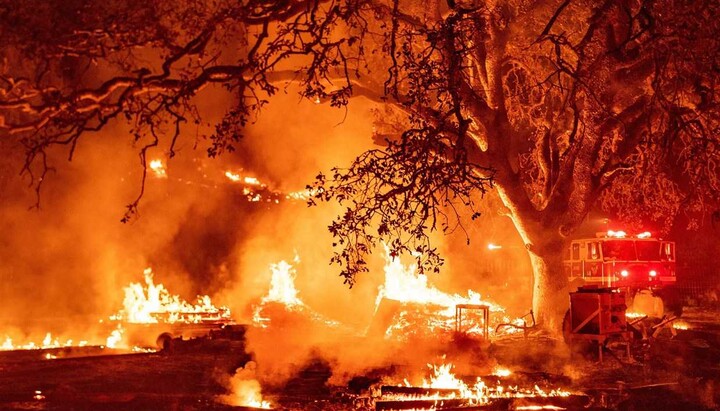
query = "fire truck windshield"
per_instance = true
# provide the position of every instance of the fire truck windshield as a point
(619, 250)
(648, 250)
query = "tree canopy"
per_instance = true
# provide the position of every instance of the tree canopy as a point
(559, 105)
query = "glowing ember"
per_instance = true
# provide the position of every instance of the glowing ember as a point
(681, 325)
(237, 177)
(252, 181)
(158, 168)
(301, 195)
(501, 372)
(232, 176)
(153, 303)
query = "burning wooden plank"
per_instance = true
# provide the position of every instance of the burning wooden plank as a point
(418, 391)
(577, 401)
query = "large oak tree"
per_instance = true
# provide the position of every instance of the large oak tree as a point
(557, 105)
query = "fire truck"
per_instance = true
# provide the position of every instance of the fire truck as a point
(615, 259)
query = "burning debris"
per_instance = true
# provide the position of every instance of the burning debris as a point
(444, 391)
(256, 191)
(47, 343)
(153, 303)
(142, 304)
(406, 304)
(282, 297)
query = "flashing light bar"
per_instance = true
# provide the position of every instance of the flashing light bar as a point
(616, 234)
(623, 234)
(494, 246)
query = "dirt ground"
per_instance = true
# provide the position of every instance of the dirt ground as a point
(680, 372)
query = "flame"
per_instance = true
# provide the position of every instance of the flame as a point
(153, 302)
(245, 390)
(237, 177)
(47, 343)
(681, 325)
(302, 195)
(478, 393)
(115, 337)
(252, 181)
(232, 176)
(501, 372)
(158, 168)
(282, 290)
(403, 283)
(282, 284)
(247, 393)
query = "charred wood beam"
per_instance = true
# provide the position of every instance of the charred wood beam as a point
(437, 404)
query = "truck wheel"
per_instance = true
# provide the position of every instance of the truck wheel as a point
(164, 342)
(567, 328)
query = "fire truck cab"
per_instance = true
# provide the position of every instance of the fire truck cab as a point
(615, 259)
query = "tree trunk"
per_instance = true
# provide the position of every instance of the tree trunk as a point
(550, 284)
(550, 288)
(545, 244)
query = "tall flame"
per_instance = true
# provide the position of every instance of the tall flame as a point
(433, 310)
(282, 284)
(403, 283)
